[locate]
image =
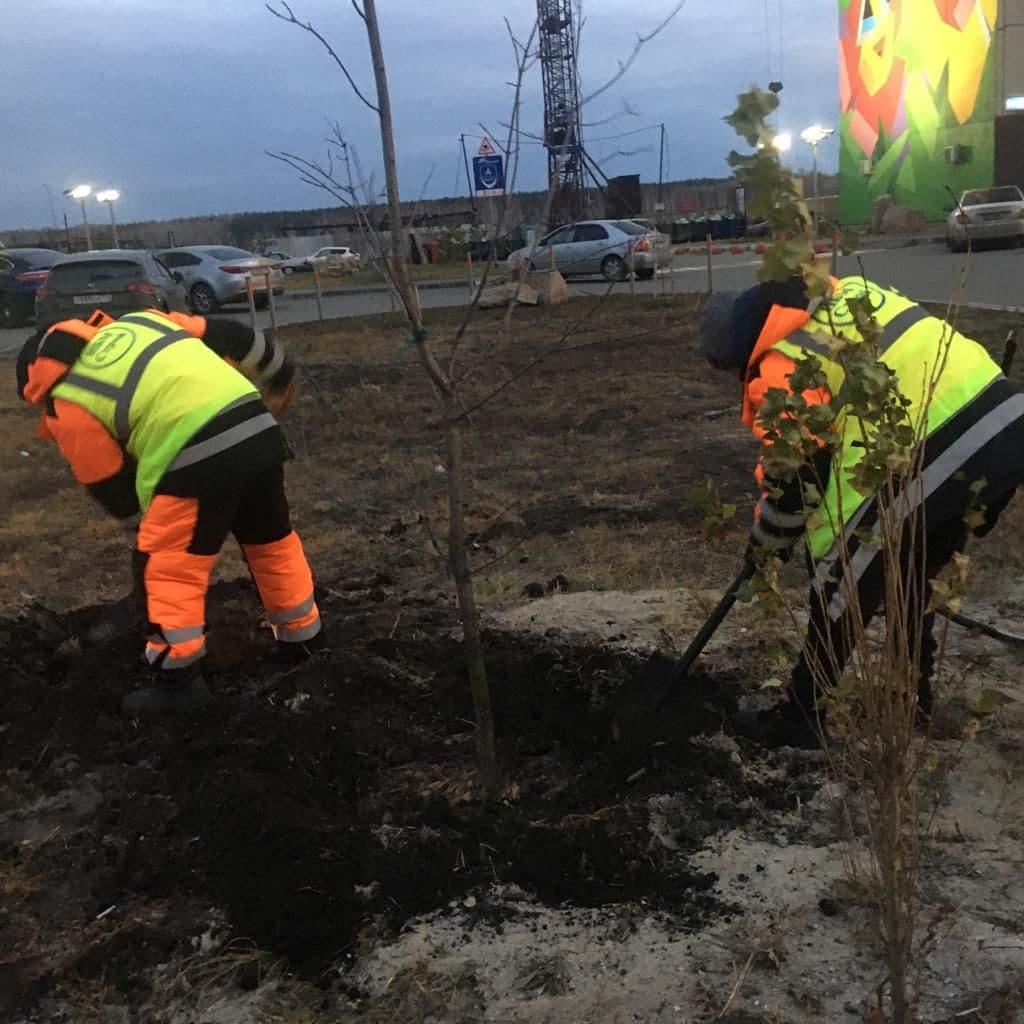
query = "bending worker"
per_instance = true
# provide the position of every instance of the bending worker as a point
(974, 437)
(153, 417)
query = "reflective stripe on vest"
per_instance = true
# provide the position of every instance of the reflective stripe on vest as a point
(153, 406)
(124, 393)
(933, 476)
(911, 344)
(891, 333)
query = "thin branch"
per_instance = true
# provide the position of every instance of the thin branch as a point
(641, 42)
(307, 26)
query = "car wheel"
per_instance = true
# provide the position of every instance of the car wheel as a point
(613, 268)
(9, 316)
(202, 300)
(261, 301)
(645, 275)
(288, 270)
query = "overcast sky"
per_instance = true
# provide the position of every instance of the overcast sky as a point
(175, 103)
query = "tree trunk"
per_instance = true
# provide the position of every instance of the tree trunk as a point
(458, 559)
(399, 264)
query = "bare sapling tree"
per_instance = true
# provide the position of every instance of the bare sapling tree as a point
(868, 681)
(444, 388)
(448, 375)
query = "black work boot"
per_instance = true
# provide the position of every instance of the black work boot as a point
(171, 692)
(787, 724)
(293, 652)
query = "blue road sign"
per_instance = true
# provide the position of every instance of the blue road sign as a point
(489, 175)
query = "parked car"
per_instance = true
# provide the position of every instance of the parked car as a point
(22, 271)
(986, 214)
(341, 256)
(603, 247)
(295, 265)
(277, 257)
(117, 281)
(214, 275)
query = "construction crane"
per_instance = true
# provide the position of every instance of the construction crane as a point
(563, 136)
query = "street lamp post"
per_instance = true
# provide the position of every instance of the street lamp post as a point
(110, 196)
(814, 136)
(81, 193)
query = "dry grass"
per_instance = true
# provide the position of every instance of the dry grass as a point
(585, 466)
(576, 465)
(369, 277)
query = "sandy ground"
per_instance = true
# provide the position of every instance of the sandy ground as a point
(797, 947)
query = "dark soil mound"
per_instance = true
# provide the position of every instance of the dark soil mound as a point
(331, 801)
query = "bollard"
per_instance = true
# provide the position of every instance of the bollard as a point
(469, 267)
(270, 301)
(252, 301)
(710, 288)
(319, 296)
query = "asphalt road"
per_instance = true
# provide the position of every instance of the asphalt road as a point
(925, 272)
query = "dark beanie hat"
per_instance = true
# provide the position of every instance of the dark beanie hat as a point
(732, 321)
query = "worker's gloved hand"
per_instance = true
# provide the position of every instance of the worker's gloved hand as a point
(756, 554)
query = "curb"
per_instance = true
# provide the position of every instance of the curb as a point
(989, 307)
(874, 242)
(369, 289)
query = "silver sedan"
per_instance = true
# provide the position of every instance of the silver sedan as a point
(610, 248)
(214, 275)
(986, 214)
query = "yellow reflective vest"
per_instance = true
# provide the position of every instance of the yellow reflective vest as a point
(919, 348)
(153, 386)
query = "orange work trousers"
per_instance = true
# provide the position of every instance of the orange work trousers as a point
(179, 541)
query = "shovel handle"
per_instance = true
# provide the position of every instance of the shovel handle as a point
(1009, 352)
(706, 632)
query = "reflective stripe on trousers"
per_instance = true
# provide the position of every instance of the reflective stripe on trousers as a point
(175, 655)
(175, 580)
(285, 583)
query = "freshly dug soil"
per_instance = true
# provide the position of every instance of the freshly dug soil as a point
(321, 804)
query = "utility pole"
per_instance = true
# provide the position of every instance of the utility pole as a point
(469, 177)
(661, 164)
(53, 211)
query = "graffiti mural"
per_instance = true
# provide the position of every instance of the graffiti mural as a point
(916, 77)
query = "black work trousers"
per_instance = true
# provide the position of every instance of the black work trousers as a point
(830, 639)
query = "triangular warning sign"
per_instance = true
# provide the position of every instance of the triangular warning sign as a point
(486, 148)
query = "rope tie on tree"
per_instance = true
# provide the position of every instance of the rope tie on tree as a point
(418, 336)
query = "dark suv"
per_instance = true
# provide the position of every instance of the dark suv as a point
(22, 271)
(117, 281)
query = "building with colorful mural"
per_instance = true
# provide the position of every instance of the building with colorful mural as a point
(932, 101)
